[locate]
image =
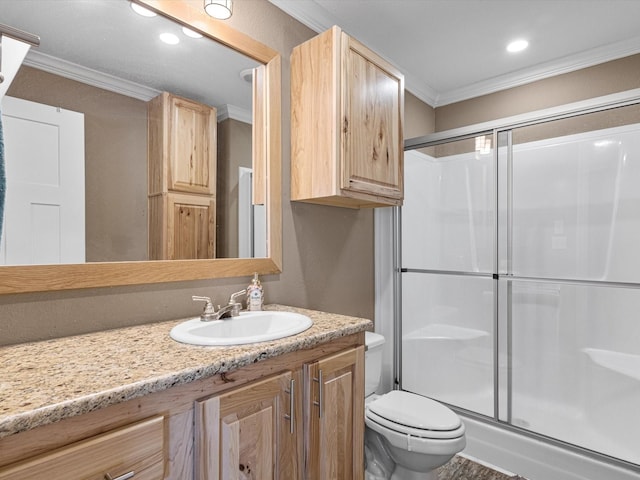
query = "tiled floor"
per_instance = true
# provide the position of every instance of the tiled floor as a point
(461, 468)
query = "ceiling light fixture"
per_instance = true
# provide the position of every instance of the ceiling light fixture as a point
(247, 75)
(517, 46)
(140, 10)
(220, 9)
(169, 38)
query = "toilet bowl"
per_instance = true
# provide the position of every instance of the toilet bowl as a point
(407, 436)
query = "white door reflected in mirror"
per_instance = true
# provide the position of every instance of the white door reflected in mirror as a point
(45, 209)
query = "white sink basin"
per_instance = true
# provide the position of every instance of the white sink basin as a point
(249, 327)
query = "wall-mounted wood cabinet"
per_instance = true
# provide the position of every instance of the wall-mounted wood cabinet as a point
(182, 178)
(347, 109)
(182, 146)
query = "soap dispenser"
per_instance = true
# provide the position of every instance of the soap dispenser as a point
(255, 294)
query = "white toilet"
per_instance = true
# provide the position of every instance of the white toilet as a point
(407, 436)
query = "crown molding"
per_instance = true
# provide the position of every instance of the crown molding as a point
(114, 84)
(89, 76)
(542, 71)
(234, 112)
(307, 12)
(420, 89)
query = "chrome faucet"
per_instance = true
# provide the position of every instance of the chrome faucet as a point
(231, 309)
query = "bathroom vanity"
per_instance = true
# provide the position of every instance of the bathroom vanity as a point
(113, 403)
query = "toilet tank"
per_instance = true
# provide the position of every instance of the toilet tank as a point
(374, 343)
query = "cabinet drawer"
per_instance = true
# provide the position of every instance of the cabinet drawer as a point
(137, 448)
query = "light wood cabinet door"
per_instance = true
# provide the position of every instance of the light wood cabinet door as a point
(347, 111)
(334, 417)
(135, 451)
(247, 433)
(182, 146)
(181, 227)
(372, 150)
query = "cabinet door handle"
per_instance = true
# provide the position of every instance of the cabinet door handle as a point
(320, 401)
(124, 476)
(292, 406)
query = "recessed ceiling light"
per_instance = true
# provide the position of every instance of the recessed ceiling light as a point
(247, 75)
(140, 10)
(190, 33)
(517, 46)
(169, 38)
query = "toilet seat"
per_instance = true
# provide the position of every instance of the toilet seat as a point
(400, 442)
(410, 414)
(415, 432)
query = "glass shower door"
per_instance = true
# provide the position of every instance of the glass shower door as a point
(448, 257)
(521, 278)
(570, 280)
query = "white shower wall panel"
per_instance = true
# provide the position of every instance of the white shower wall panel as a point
(575, 206)
(543, 342)
(447, 339)
(575, 372)
(448, 216)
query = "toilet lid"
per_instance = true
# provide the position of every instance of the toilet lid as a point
(415, 411)
(382, 425)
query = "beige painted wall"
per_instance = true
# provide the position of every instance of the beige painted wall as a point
(234, 151)
(419, 118)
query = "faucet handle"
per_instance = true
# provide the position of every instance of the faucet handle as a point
(234, 296)
(208, 308)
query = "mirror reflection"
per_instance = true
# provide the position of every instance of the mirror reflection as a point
(101, 95)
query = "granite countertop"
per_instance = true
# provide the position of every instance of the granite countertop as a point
(44, 382)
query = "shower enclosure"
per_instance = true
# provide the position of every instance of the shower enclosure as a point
(519, 280)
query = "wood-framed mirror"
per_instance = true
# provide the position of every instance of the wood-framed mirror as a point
(266, 176)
